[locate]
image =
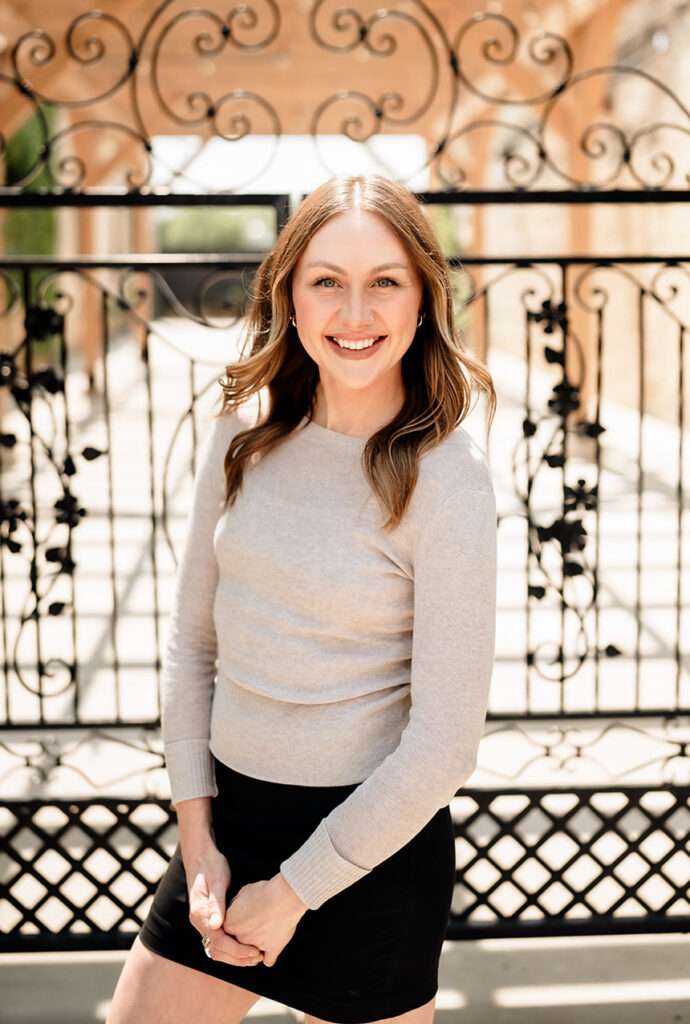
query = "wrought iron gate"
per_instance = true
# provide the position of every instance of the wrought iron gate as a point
(578, 821)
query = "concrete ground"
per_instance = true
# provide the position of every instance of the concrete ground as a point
(600, 979)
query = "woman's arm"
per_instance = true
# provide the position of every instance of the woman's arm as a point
(188, 670)
(208, 875)
(195, 827)
(452, 661)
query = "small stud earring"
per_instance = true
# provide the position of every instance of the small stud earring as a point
(292, 321)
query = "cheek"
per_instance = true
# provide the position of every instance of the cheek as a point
(402, 316)
(309, 309)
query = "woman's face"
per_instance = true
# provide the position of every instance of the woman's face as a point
(341, 290)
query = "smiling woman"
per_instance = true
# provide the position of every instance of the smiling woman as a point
(387, 278)
(340, 570)
(360, 316)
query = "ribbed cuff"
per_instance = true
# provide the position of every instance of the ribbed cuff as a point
(190, 770)
(316, 871)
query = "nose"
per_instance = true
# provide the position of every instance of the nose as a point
(355, 313)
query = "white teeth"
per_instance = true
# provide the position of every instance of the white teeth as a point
(364, 343)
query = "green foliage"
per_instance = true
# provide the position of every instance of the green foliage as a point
(218, 229)
(31, 232)
(443, 220)
(23, 149)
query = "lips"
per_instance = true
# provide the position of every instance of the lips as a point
(378, 337)
(348, 353)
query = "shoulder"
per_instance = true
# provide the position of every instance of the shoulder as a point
(215, 432)
(222, 427)
(456, 466)
(453, 500)
(454, 493)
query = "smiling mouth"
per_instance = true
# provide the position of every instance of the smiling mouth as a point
(356, 346)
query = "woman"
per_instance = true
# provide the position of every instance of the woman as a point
(340, 563)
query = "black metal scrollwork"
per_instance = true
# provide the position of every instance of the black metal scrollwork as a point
(132, 70)
(97, 41)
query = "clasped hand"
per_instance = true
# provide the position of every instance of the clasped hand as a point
(265, 915)
(260, 920)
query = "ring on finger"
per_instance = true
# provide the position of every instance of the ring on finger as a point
(206, 943)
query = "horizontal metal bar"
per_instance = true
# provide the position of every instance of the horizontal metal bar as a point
(38, 730)
(609, 714)
(605, 924)
(11, 198)
(225, 260)
(521, 197)
(553, 197)
(142, 260)
(57, 942)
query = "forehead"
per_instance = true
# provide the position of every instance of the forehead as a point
(347, 235)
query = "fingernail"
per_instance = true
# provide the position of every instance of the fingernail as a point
(215, 920)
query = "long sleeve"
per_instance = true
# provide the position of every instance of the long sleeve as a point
(452, 659)
(188, 669)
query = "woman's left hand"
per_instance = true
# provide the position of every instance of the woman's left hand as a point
(265, 914)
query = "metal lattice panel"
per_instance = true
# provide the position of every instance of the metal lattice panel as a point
(81, 874)
(568, 861)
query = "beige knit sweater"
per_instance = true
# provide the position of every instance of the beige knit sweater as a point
(345, 654)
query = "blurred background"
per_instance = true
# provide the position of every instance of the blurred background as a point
(149, 154)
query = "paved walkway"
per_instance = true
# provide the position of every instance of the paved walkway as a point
(599, 979)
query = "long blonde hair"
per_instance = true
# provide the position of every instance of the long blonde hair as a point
(438, 374)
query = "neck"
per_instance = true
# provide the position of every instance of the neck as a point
(358, 417)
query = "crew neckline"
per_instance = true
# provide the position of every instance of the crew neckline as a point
(331, 436)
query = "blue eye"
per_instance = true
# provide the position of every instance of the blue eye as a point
(321, 279)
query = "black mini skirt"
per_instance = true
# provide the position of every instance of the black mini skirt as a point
(371, 951)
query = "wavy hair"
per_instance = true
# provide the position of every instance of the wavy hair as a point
(438, 373)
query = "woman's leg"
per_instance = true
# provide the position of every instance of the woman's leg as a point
(154, 990)
(422, 1015)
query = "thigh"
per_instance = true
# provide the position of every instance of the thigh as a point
(154, 990)
(421, 1015)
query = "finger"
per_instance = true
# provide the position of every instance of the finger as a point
(204, 911)
(228, 949)
(240, 949)
(228, 929)
(244, 949)
(215, 909)
(215, 903)
(197, 908)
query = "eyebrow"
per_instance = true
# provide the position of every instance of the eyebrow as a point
(333, 266)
